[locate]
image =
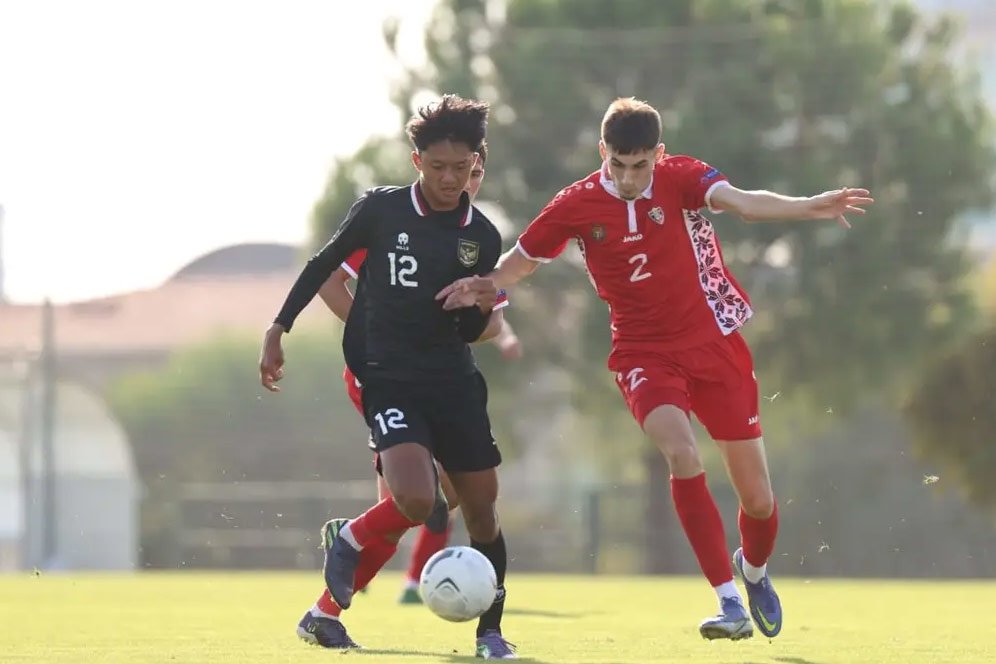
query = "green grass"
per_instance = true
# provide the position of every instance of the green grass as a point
(249, 618)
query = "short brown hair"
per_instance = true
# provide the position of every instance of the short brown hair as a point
(452, 118)
(631, 125)
(483, 151)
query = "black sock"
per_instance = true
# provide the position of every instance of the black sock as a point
(495, 552)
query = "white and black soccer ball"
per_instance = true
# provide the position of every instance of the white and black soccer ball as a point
(458, 584)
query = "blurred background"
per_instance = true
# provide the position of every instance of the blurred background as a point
(166, 168)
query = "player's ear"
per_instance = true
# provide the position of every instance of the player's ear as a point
(659, 152)
(601, 150)
(417, 160)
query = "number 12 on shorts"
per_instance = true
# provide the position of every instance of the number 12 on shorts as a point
(392, 418)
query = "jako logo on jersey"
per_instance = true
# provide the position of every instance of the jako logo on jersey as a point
(598, 232)
(403, 241)
(633, 238)
(751, 421)
(468, 252)
(657, 215)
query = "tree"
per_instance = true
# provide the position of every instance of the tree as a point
(203, 417)
(794, 96)
(952, 416)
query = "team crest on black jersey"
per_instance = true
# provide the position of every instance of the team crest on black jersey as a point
(657, 215)
(468, 252)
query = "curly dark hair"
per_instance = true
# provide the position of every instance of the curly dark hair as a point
(452, 118)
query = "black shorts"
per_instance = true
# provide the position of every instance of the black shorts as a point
(450, 419)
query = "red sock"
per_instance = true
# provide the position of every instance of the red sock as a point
(372, 558)
(703, 526)
(426, 544)
(757, 536)
(381, 519)
(327, 605)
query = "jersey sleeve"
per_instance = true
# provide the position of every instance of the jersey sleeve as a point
(353, 235)
(698, 180)
(547, 235)
(353, 264)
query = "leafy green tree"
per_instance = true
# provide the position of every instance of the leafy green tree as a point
(953, 420)
(792, 96)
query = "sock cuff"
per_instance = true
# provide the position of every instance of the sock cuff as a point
(689, 483)
(753, 519)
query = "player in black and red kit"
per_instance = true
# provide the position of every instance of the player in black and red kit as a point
(339, 300)
(423, 396)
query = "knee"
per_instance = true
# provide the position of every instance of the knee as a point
(758, 504)
(415, 506)
(681, 453)
(481, 522)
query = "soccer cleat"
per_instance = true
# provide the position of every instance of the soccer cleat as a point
(340, 562)
(494, 646)
(765, 607)
(324, 632)
(410, 596)
(733, 623)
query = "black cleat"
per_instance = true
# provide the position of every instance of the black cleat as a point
(324, 632)
(340, 563)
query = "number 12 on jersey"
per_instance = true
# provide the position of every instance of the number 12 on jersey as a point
(402, 267)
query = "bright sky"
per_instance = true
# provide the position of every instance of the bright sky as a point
(135, 136)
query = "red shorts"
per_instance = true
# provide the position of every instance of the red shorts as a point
(353, 389)
(715, 381)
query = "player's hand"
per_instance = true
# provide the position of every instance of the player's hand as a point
(469, 291)
(271, 359)
(838, 203)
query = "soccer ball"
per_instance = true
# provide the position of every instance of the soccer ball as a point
(458, 584)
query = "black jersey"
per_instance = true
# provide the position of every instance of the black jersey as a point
(397, 327)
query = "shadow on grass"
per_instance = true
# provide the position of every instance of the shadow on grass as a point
(452, 656)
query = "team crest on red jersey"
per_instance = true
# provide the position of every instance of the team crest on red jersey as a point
(598, 232)
(657, 215)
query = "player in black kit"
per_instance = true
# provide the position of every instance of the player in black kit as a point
(423, 396)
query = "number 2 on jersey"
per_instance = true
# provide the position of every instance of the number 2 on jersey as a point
(401, 268)
(640, 261)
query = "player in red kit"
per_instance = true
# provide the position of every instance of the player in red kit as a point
(676, 314)
(337, 296)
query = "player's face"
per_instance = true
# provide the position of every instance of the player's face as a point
(444, 172)
(631, 173)
(476, 179)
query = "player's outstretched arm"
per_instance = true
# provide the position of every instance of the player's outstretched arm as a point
(512, 268)
(769, 206)
(336, 295)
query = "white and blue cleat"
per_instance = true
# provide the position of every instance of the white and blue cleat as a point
(732, 623)
(765, 607)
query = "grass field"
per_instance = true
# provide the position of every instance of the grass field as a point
(249, 618)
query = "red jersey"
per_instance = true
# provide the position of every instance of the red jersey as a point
(655, 260)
